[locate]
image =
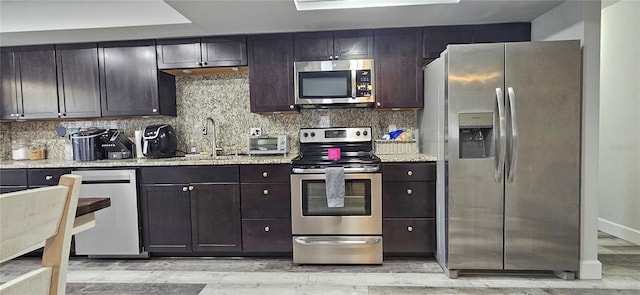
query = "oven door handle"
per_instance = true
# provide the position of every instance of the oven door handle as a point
(346, 170)
(320, 241)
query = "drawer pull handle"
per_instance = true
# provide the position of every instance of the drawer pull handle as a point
(184, 188)
(191, 187)
(409, 191)
(410, 228)
(266, 229)
(265, 192)
(409, 172)
(48, 177)
(265, 174)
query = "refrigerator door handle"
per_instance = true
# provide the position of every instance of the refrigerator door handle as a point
(502, 144)
(513, 149)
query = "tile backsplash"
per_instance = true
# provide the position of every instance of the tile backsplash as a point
(225, 99)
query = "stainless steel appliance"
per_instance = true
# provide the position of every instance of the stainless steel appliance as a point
(87, 145)
(268, 145)
(159, 141)
(351, 234)
(504, 123)
(116, 233)
(334, 83)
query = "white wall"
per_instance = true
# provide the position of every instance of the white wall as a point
(581, 20)
(619, 200)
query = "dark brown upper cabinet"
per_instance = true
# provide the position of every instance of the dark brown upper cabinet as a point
(31, 75)
(398, 68)
(78, 80)
(8, 89)
(223, 51)
(130, 82)
(352, 44)
(271, 73)
(506, 32)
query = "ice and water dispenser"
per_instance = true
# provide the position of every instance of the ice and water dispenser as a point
(476, 135)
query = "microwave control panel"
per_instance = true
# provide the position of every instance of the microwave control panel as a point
(363, 83)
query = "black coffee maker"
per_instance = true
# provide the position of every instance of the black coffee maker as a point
(159, 141)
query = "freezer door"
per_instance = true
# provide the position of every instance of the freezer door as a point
(475, 191)
(543, 155)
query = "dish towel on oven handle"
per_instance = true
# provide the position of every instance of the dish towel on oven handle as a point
(335, 186)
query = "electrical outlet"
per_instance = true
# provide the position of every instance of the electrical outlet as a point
(255, 131)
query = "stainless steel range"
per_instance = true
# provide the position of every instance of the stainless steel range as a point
(349, 232)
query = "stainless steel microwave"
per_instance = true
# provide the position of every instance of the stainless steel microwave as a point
(334, 83)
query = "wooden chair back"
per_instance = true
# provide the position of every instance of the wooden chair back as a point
(32, 217)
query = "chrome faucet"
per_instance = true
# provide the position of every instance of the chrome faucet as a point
(205, 131)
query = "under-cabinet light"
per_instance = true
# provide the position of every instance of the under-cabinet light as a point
(345, 4)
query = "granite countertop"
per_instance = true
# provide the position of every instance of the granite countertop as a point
(185, 161)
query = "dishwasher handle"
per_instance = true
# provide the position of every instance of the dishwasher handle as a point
(105, 181)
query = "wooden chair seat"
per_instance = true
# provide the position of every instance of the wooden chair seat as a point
(30, 217)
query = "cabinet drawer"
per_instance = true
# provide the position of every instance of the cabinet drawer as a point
(189, 174)
(266, 235)
(408, 199)
(268, 173)
(13, 177)
(265, 200)
(44, 177)
(408, 171)
(417, 235)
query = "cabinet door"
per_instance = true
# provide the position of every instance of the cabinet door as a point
(356, 44)
(398, 63)
(166, 218)
(271, 73)
(38, 81)
(179, 53)
(226, 51)
(215, 217)
(8, 89)
(507, 32)
(40, 177)
(313, 46)
(129, 79)
(436, 39)
(78, 80)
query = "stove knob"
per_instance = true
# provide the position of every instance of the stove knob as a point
(357, 133)
(365, 133)
(305, 134)
(313, 134)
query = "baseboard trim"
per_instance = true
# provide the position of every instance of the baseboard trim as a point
(590, 270)
(619, 230)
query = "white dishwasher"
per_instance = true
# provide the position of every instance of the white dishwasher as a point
(116, 233)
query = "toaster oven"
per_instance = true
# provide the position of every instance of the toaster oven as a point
(268, 145)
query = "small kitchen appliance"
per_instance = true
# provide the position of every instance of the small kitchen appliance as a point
(327, 234)
(116, 145)
(334, 83)
(159, 141)
(87, 145)
(268, 145)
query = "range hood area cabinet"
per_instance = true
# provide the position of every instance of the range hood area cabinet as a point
(328, 45)
(130, 82)
(223, 51)
(271, 73)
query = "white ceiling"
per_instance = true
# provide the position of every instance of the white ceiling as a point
(52, 21)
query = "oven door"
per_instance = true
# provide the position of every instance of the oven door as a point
(361, 214)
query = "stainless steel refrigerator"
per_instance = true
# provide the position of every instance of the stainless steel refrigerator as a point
(504, 121)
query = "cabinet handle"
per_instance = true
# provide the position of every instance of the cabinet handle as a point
(409, 191)
(266, 229)
(184, 188)
(330, 57)
(336, 57)
(409, 172)
(21, 115)
(204, 63)
(378, 104)
(265, 192)
(265, 174)
(410, 228)
(155, 110)
(59, 114)
(191, 187)
(48, 177)
(292, 106)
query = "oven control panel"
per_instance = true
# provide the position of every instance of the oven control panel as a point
(350, 134)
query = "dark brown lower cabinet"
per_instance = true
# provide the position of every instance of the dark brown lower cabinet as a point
(166, 217)
(266, 235)
(215, 217)
(409, 235)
